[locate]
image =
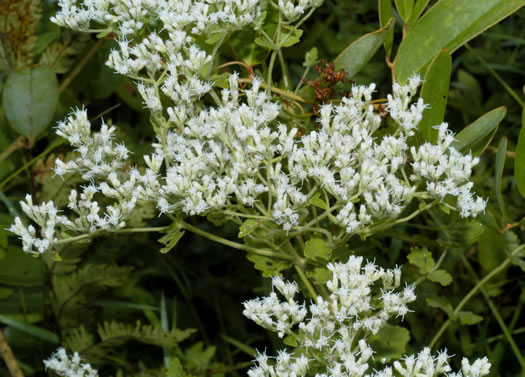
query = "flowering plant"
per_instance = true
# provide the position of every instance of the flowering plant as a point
(313, 174)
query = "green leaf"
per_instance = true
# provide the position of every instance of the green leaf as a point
(448, 24)
(385, 14)
(317, 248)
(247, 227)
(35, 331)
(171, 238)
(477, 136)
(435, 93)
(290, 340)
(289, 36)
(30, 98)
(241, 346)
(440, 276)
(319, 275)
(440, 303)
(244, 48)
(519, 161)
(418, 8)
(264, 42)
(404, 7)
(469, 318)
(498, 171)
(317, 201)
(268, 266)
(311, 58)
(21, 269)
(221, 80)
(390, 342)
(175, 369)
(422, 258)
(491, 247)
(359, 53)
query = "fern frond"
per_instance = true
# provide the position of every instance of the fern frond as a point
(73, 293)
(79, 339)
(61, 54)
(114, 333)
(18, 21)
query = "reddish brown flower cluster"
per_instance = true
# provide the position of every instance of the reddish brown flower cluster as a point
(324, 86)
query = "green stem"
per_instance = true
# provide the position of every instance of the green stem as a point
(497, 315)
(286, 74)
(96, 234)
(306, 282)
(270, 70)
(235, 245)
(512, 93)
(474, 290)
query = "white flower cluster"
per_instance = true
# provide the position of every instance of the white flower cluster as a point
(69, 366)
(239, 155)
(293, 9)
(332, 333)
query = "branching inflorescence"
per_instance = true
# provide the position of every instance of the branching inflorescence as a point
(231, 152)
(332, 334)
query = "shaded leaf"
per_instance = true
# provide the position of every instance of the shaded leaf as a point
(171, 239)
(247, 227)
(498, 171)
(317, 248)
(385, 14)
(390, 342)
(29, 329)
(359, 53)
(422, 258)
(404, 7)
(448, 24)
(469, 318)
(519, 161)
(30, 97)
(440, 303)
(476, 136)
(440, 276)
(435, 93)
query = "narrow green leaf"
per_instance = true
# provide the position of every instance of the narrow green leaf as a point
(247, 227)
(35, 331)
(404, 8)
(317, 248)
(418, 8)
(385, 14)
(358, 54)
(241, 346)
(448, 24)
(435, 93)
(440, 276)
(477, 136)
(30, 98)
(519, 161)
(500, 165)
(469, 318)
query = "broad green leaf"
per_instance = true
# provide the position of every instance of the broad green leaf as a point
(35, 331)
(491, 249)
(469, 318)
(404, 8)
(244, 48)
(519, 161)
(500, 165)
(30, 98)
(435, 93)
(264, 42)
(247, 227)
(422, 258)
(440, 276)
(390, 342)
(20, 269)
(440, 303)
(418, 8)
(477, 136)
(171, 238)
(317, 201)
(319, 275)
(317, 248)
(448, 24)
(385, 14)
(359, 53)
(289, 36)
(268, 266)
(290, 340)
